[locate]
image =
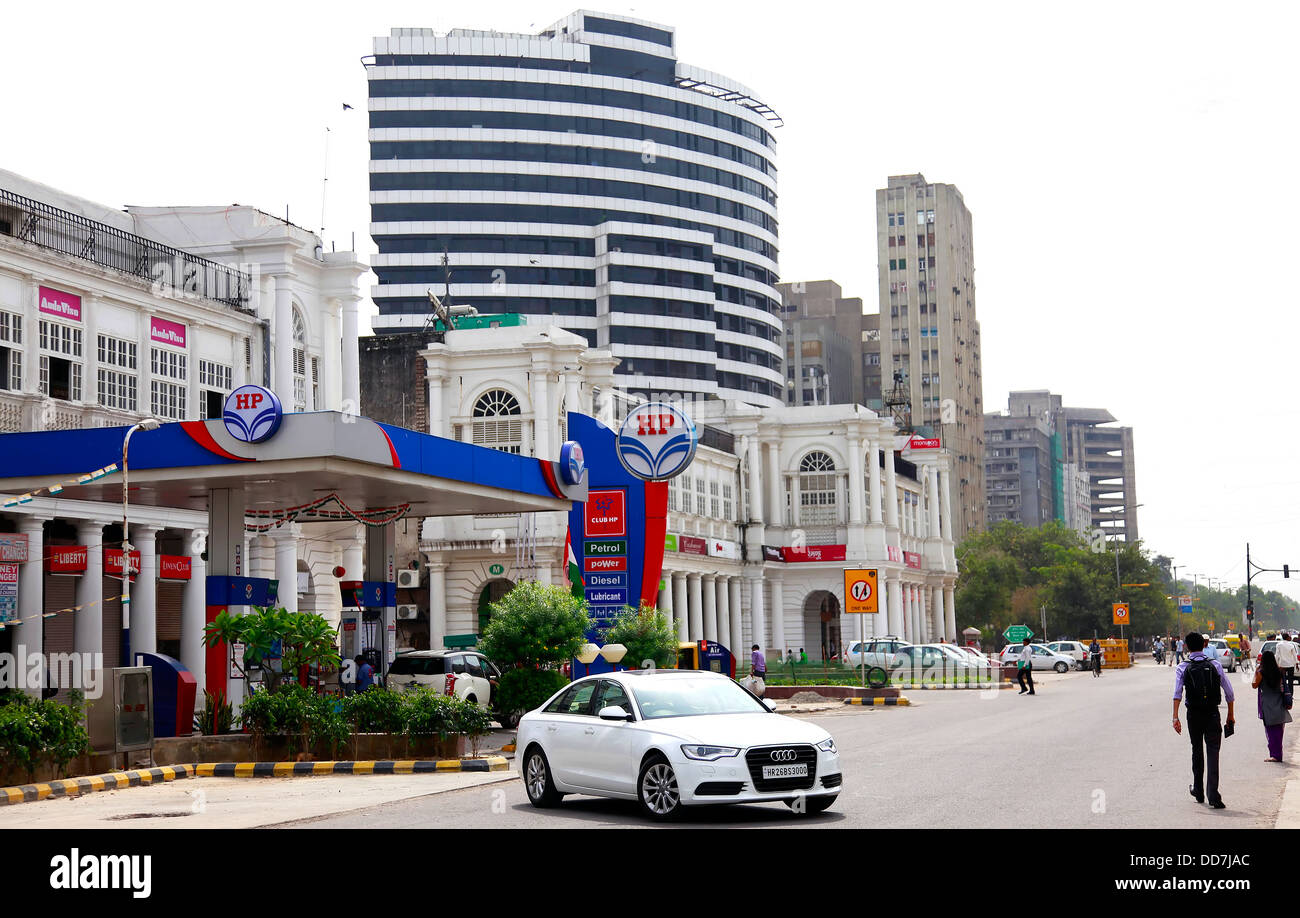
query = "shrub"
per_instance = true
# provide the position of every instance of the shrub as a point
(217, 716)
(303, 639)
(647, 634)
(526, 688)
(41, 730)
(376, 710)
(534, 625)
(297, 713)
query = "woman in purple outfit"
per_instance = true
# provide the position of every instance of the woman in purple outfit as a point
(1272, 703)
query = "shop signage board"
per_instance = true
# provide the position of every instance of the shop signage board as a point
(690, 545)
(66, 559)
(8, 591)
(912, 559)
(722, 548)
(13, 547)
(814, 553)
(174, 567)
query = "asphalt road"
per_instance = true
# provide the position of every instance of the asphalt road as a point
(1082, 752)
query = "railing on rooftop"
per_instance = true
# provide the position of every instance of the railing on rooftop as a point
(108, 247)
(730, 95)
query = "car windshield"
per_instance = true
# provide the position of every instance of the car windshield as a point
(685, 696)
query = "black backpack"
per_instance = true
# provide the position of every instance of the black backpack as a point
(1201, 685)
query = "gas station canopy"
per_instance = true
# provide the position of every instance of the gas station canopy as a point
(367, 464)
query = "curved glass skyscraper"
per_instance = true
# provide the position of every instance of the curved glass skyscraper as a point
(585, 176)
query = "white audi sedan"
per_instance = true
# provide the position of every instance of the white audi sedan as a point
(670, 739)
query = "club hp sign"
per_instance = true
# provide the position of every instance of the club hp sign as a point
(656, 442)
(252, 414)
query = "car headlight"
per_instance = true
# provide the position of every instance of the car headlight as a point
(828, 745)
(709, 753)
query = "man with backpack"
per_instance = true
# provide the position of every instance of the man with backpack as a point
(1202, 683)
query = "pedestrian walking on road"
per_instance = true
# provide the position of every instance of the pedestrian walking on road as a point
(1274, 703)
(1169, 650)
(1204, 682)
(1025, 668)
(1179, 646)
(1286, 652)
(1094, 654)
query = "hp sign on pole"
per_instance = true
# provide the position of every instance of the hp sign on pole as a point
(656, 442)
(252, 414)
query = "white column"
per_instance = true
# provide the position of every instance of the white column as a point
(194, 613)
(893, 592)
(436, 422)
(909, 627)
(724, 614)
(945, 497)
(932, 481)
(31, 591)
(891, 489)
(696, 630)
(710, 608)
(936, 612)
(544, 572)
(571, 399)
(778, 616)
(144, 591)
(348, 346)
(666, 597)
(855, 479)
(757, 616)
(541, 414)
(282, 342)
(950, 614)
(437, 604)
(353, 553)
(737, 619)
(754, 459)
(776, 503)
(681, 606)
(89, 620)
(873, 476)
(286, 564)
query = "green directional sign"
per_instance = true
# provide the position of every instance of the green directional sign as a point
(1017, 633)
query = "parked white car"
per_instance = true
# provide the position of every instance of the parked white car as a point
(466, 674)
(1073, 649)
(1042, 657)
(670, 739)
(879, 651)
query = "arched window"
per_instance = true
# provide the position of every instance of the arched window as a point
(497, 423)
(299, 361)
(817, 490)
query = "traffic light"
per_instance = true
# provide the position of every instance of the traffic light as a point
(1286, 571)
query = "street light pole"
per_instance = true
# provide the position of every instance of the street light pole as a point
(146, 424)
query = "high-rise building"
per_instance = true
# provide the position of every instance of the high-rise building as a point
(1093, 473)
(929, 336)
(824, 345)
(582, 177)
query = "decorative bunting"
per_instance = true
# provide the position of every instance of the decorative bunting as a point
(379, 516)
(58, 488)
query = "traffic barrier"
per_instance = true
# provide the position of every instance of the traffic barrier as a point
(75, 787)
(900, 701)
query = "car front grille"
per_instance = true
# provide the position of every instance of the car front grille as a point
(759, 756)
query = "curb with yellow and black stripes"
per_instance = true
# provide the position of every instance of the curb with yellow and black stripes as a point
(900, 701)
(74, 787)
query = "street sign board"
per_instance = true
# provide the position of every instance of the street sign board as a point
(860, 591)
(1120, 611)
(1017, 633)
(1185, 605)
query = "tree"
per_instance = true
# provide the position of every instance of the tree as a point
(535, 625)
(647, 634)
(271, 633)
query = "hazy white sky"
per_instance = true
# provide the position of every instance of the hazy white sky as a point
(1120, 161)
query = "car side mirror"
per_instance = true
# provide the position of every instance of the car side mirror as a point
(769, 704)
(614, 712)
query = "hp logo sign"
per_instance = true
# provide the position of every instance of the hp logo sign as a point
(657, 442)
(252, 414)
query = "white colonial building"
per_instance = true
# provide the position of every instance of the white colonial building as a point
(777, 503)
(111, 316)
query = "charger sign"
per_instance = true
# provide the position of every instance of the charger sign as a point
(252, 414)
(657, 442)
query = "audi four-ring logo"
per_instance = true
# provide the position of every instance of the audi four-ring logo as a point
(784, 755)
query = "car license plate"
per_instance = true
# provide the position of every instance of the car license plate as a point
(785, 771)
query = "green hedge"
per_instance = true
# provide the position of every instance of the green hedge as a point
(33, 731)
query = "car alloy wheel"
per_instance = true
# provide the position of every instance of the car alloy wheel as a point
(537, 780)
(1061, 667)
(659, 794)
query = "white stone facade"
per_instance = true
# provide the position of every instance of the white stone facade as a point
(110, 316)
(814, 479)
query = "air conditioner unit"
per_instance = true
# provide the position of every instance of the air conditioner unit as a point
(407, 611)
(408, 580)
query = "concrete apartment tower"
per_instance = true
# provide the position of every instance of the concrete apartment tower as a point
(928, 331)
(831, 351)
